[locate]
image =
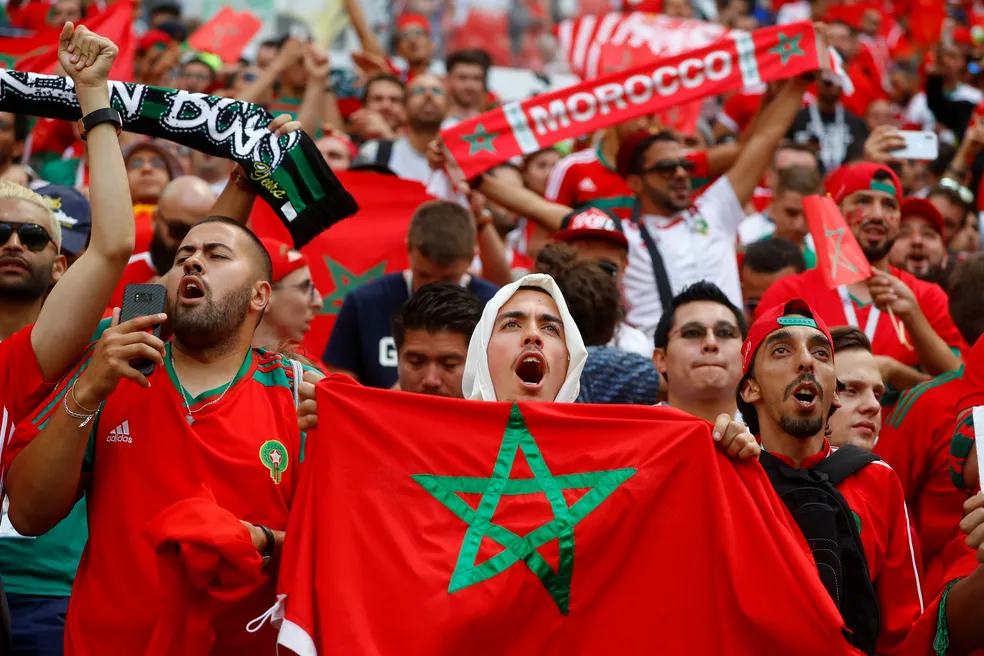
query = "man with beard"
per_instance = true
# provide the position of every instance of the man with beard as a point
(467, 85)
(919, 248)
(868, 196)
(431, 332)
(184, 202)
(786, 395)
(426, 107)
(213, 411)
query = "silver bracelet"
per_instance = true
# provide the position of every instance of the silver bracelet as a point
(76, 415)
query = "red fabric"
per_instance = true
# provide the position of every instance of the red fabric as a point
(165, 460)
(202, 550)
(973, 392)
(216, 36)
(284, 258)
(22, 385)
(915, 440)
(357, 250)
(367, 566)
(479, 143)
(926, 31)
(811, 287)
(839, 257)
(412, 20)
(915, 206)
(890, 548)
(768, 322)
(138, 272)
(739, 110)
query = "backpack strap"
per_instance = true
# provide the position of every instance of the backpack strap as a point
(844, 462)
(659, 269)
(384, 153)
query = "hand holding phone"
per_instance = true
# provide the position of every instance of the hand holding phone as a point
(919, 145)
(141, 301)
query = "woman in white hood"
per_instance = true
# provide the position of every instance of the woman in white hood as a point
(528, 348)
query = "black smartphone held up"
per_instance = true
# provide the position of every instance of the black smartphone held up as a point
(139, 301)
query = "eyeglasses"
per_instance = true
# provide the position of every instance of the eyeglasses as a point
(307, 288)
(139, 162)
(966, 195)
(419, 91)
(31, 236)
(200, 76)
(176, 229)
(697, 331)
(669, 166)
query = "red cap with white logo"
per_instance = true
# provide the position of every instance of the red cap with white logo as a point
(592, 223)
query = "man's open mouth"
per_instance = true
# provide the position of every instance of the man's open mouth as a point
(806, 394)
(531, 369)
(191, 288)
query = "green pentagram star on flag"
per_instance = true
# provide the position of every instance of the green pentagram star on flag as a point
(787, 48)
(480, 140)
(600, 484)
(835, 238)
(345, 281)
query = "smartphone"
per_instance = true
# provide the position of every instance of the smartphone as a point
(921, 145)
(139, 301)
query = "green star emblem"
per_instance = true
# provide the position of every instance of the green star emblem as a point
(480, 140)
(787, 48)
(345, 281)
(600, 484)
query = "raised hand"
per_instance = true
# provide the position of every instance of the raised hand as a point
(85, 56)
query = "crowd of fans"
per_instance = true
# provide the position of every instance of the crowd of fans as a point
(681, 273)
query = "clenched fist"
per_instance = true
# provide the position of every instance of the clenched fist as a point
(85, 56)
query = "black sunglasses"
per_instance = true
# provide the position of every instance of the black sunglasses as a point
(176, 229)
(608, 267)
(667, 166)
(32, 236)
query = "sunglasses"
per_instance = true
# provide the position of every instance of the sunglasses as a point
(669, 166)
(154, 162)
(419, 91)
(966, 195)
(697, 331)
(31, 236)
(608, 267)
(176, 230)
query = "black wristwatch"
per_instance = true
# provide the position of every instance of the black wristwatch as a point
(104, 115)
(270, 545)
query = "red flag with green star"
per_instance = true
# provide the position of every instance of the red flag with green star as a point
(441, 526)
(357, 250)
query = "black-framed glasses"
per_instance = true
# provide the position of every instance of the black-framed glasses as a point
(31, 236)
(307, 288)
(669, 166)
(697, 331)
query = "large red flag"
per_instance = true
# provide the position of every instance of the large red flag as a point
(839, 256)
(355, 251)
(440, 526)
(226, 34)
(39, 52)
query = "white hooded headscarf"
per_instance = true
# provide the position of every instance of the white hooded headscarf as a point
(476, 382)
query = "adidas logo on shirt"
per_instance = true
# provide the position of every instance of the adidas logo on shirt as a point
(120, 434)
(587, 185)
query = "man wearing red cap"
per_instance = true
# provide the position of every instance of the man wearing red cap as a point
(920, 249)
(414, 44)
(787, 393)
(868, 195)
(293, 300)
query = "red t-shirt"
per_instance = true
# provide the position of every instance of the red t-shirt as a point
(22, 385)
(739, 109)
(142, 457)
(915, 440)
(875, 494)
(137, 272)
(586, 179)
(810, 286)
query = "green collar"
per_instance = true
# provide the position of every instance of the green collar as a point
(857, 302)
(601, 157)
(169, 365)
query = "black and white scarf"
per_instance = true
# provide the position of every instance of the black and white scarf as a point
(287, 172)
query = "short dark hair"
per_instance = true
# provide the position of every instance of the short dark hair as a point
(849, 338)
(438, 307)
(635, 161)
(952, 195)
(944, 158)
(592, 294)
(699, 291)
(773, 255)
(443, 232)
(382, 77)
(260, 257)
(469, 56)
(788, 144)
(967, 297)
(167, 8)
(799, 179)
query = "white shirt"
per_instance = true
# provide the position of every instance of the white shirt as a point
(405, 161)
(632, 340)
(696, 244)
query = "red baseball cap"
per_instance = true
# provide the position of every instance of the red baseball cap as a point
(848, 179)
(921, 207)
(412, 20)
(789, 313)
(592, 223)
(631, 146)
(285, 259)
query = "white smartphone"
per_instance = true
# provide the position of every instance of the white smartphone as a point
(919, 144)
